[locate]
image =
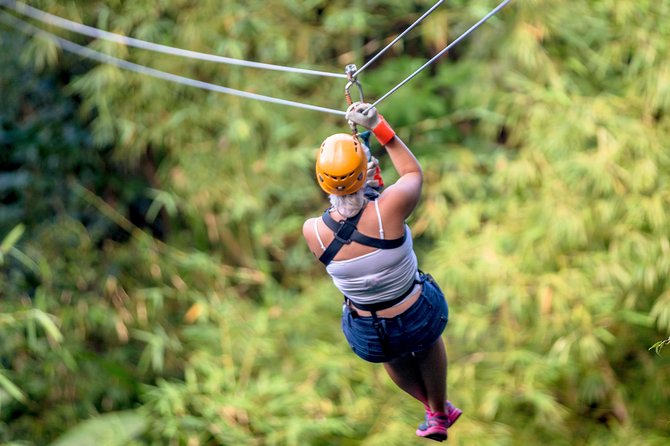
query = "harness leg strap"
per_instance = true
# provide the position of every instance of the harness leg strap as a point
(381, 334)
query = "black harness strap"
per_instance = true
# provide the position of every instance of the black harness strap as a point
(343, 231)
(346, 232)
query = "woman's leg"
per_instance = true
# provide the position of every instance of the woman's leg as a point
(423, 375)
(432, 366)
(406, 374)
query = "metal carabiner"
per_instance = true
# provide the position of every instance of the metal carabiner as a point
(350, 71)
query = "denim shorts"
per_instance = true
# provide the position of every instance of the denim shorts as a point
(416, 329)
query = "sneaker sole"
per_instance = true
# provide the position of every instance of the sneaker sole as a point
(437, 436)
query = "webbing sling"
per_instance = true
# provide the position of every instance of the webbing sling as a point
(346, 232)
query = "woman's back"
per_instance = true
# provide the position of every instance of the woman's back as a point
(392, 227)
(368, 274)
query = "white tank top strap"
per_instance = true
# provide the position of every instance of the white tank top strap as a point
(379, 219)
(318, 237)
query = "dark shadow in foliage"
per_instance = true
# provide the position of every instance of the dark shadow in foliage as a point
(45, 141)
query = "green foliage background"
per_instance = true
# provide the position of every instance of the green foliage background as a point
(154, 287)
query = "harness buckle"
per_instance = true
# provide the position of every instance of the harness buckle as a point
(343, 234)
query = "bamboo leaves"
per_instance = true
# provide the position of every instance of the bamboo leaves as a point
(113, 429)
(163, 267)
(9, 389)
(8, 242)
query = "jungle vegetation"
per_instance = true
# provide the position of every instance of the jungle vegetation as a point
(154, 286)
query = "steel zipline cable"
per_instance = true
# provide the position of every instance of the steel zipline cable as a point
(97, 33)
(400, 36)
(493, 12)
(86, 52)
(83, 51)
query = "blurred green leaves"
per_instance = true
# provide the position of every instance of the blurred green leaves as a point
(112, 429)
(152, 268)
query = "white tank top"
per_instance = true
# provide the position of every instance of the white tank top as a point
(378, 276)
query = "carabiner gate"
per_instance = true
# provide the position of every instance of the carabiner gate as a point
(350, 71)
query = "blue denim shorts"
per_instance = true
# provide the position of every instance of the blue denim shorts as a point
(414, 330)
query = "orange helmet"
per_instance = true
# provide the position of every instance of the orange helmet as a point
(341, 165)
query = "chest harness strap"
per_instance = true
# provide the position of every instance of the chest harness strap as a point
(345, 232)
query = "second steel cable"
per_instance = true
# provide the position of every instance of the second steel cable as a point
(89, 53)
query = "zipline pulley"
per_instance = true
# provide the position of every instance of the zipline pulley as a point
(350, 71)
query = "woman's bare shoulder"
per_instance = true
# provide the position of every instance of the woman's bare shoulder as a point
(308, 225)
(309, 234)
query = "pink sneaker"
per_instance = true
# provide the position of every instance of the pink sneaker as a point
(453, 413)
(436, 424)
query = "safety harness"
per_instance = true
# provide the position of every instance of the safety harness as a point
(346, 232)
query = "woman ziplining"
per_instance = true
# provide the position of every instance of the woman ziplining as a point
(393, 313)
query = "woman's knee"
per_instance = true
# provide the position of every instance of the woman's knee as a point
(435, 349)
